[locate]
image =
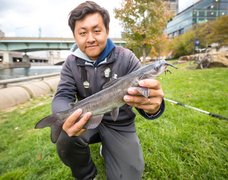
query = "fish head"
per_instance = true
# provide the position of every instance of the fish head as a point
(161, 66)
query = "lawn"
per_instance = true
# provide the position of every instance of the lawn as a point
(181, 144)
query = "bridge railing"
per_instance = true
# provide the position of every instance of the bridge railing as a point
(5, 83)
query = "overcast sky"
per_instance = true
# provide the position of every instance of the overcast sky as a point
(49, 17)
(26, 17)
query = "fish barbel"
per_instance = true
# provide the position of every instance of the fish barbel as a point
(110, 99)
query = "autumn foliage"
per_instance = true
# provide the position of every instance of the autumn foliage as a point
(215, 31)
(143, 23)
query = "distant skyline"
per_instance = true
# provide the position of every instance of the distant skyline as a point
(48, 18)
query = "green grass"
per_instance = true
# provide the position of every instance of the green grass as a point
(181, 144)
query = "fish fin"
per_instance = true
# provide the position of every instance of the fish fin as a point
(46, 122)
(56, 129)
(147, 76)
(53, 122)
(115, 114)
(93, 122)
(144, 91)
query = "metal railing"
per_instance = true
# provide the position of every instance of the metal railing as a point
(5, 83)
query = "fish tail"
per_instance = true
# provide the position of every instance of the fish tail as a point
(56, 129)
(46, 122)
(52, 122)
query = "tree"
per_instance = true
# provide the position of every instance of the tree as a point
(215, 31)
(219, 32)
(183, 44)
(143, 22)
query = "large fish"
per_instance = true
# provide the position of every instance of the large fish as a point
(107, 100)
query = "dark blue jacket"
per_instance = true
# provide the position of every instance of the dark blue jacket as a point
(77, 70)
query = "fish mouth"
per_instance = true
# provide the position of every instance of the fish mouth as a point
(162, 66)
(166, 67)
(168, 64)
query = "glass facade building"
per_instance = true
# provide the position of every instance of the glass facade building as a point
(200, 12)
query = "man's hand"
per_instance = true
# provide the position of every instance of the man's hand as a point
(151, 104)
(73, 126)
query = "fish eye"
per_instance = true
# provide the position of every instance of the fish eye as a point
(156, 68)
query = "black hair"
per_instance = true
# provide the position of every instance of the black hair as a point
(82, 10)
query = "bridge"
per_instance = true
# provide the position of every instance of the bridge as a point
(31, 44)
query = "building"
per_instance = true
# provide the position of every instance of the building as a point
(2, 34)
(173, 6)
(199, 12)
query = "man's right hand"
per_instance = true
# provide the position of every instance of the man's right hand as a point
(73, 126)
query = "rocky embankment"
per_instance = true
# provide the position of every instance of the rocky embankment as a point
(212, 58)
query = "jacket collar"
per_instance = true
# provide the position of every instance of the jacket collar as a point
(101, 59)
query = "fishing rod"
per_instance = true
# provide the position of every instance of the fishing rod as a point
(197, 109)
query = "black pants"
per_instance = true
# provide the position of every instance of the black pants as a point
(121, 151)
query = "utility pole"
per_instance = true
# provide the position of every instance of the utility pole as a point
(40, 31)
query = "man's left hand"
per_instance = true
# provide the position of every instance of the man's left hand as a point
(151, 104)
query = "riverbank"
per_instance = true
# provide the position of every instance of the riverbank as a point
(181, 144)
(21, 92)
(26, 72)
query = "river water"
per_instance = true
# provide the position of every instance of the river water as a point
(33, 70)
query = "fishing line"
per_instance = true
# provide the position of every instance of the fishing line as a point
(197, 109)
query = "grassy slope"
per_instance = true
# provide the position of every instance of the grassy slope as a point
(184, 144)
(181, 144)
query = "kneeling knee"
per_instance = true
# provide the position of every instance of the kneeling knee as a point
(65, 140)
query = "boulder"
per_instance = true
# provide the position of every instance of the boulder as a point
(212, 58)
(219, 59)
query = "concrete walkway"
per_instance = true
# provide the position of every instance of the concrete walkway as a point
(22, 92)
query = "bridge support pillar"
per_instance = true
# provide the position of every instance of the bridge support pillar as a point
(25, 58)
(6, 57)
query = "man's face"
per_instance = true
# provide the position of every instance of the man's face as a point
(91, 35)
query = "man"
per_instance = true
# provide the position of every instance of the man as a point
(86, 70)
